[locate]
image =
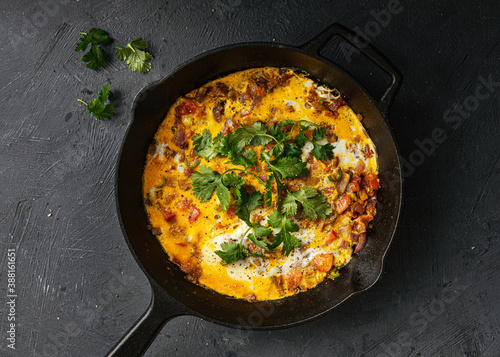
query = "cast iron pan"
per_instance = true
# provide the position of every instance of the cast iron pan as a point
(172, 294)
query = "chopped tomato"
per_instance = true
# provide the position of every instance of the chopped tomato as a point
(293, 279)
(231, 212)
(194, 214)
(166, 212)
(330, 238)
(323, 262)
(344, 202)
(186, 107)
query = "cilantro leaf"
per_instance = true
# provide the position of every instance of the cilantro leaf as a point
(98, 106)
(260, 231)
(268, 195)
(260, 243)
(292, 149)
(95, 57)
(289, 167)
(137, 59)
(205, 182)
(204, 146)
(232, 252)
(322, 152)
(247, 203)
(246, 159)
(202, 141)
(231, 180)
(276, 220)
(256, 134)
(313, 203)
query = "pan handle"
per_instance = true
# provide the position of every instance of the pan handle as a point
(140, 336)
(317, 43)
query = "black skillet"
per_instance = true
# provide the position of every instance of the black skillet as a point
(172, 294)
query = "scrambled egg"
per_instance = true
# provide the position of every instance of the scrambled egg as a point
(191, 231)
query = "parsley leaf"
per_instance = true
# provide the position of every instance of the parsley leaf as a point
(95, 57)
(284, 237)
(137, 59)
(98, 106)
(313, 203)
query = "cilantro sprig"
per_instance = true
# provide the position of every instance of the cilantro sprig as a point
(133, 52)
(232, 251)
(320, 152)
(99, 106)
(313, 204)
(283, 162)
(95, 57)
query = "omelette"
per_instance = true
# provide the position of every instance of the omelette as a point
(261, 184)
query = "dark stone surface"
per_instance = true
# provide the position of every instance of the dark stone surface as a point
(79, 289)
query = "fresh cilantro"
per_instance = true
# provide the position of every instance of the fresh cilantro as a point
(232, 251)
(289, 167)
(292, 149)
(137, 59)
(246, 203)
(268, 194)
(320, 152)
(283, 237)
(256, 134)
(205, 182)
(313, 203)
(260, 243)
(260, 231)
(98, 106)
(95, 57)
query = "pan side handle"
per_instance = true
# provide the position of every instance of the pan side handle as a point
(315, 45)
(140, 336)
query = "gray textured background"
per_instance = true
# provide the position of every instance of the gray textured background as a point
(79, 289)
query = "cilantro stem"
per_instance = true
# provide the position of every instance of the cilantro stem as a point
(81, 101)
(247, 172)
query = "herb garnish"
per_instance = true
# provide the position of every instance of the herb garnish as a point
(95, 57)
(137, 59)
(283, 162)
(98, 106)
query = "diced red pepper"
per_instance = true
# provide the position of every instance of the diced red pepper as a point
(166, 212)
(186, 107)
(194, 214)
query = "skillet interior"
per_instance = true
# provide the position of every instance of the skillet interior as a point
(150, 108)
